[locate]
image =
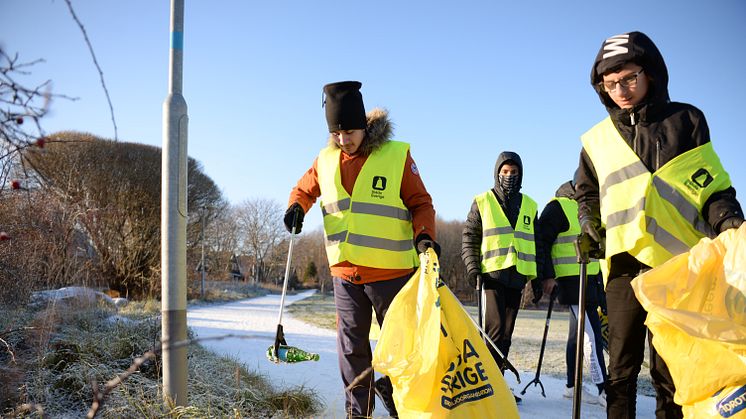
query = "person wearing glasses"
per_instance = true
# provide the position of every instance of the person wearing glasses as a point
(377, 217)
(649, 186)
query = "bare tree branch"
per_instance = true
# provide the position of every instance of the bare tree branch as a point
(95, 62)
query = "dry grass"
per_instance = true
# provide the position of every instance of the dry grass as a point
(223, 291)
(53, 357)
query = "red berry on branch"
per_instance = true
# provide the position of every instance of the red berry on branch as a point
(15, 184)
(4, 236)
(40, 142)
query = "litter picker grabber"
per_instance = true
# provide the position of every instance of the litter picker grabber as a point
(480, 314)
(582, 249)
(288, 353)
(280, 335)
(536, 379)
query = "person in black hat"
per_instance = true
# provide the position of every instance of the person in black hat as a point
(377, 217)
(649, 186)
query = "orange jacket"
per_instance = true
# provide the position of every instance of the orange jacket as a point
(413, 194)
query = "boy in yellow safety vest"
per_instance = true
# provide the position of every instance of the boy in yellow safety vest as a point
(649, 185)
(499, 251)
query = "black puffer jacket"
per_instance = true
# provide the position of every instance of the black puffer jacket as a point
(471, 239)
(657, 129)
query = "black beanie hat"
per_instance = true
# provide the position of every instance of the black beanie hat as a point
(344, 106)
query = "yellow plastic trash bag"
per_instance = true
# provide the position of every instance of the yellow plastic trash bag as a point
(438, 364)
(696, 305)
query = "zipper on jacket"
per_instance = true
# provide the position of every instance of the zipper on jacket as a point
(635, 139)
(657, 153)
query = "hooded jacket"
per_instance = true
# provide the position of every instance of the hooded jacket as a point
(379, 130)
(656, 129)
(471, 239)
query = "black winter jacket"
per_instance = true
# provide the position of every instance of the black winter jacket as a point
(657, 129)
(552, 222)
(471, 239)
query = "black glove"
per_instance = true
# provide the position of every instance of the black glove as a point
(732, 222)
(591, 239)
(591, 226)
(294, 214)
(587, 247)
(423, 242)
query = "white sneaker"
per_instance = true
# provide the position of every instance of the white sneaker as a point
(587, 397)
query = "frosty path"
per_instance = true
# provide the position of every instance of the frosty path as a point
(258, 317)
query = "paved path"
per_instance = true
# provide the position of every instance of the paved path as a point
(257, 319)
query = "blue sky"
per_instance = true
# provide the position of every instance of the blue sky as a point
(463, 81)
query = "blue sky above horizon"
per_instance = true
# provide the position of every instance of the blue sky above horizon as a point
(462, 82)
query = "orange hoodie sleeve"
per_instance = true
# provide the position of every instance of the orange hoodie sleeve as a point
(417, 200)
(307, 190)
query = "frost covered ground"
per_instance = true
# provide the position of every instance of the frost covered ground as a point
(256, 320)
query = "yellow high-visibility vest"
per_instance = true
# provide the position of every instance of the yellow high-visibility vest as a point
(652, 216)
(564, 257)
(502, 245)
(372, 227)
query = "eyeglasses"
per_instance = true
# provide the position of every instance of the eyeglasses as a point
(626, 82)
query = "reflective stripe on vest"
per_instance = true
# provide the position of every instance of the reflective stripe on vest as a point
(652, 216)
(503, 246)
(564, 258)
(372, 227)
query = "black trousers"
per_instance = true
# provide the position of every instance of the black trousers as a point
(627, 334)
(501, 306)
(355, 304)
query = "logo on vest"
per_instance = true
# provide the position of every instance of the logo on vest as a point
(379, 185)
(702, 178)
(527, 220)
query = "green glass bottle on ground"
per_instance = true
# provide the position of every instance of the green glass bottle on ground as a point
(290, 354)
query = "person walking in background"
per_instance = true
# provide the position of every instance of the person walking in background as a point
(377, 217)
(558, 226)
(498, 249)
(650, 185)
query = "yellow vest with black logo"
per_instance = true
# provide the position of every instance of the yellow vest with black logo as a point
(652, 216)
(564, 257)
(502, 245)
(372, 227)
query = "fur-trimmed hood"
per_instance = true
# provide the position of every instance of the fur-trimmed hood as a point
(378, 131)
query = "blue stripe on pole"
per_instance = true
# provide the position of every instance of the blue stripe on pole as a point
(177, 40)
